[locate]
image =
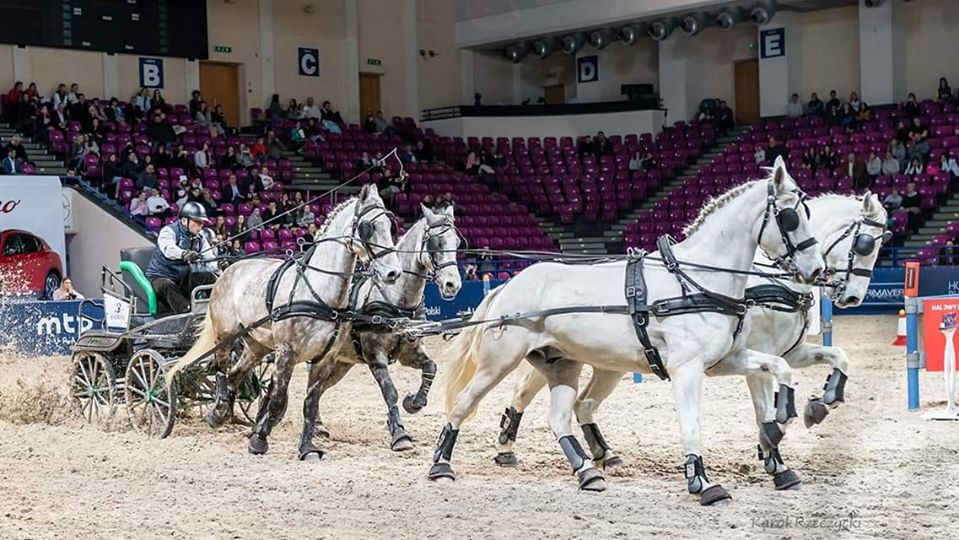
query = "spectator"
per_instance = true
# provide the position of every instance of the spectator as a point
(111, 169)
(911, 106)
(265, 181)
(947, 164)
(297, 137)
(864, 114)
(13, 101)
(382, 124)
(16, 144)
(810, 159)
(833, 101)
(832, 116)
(890, 165)
(147, 178)
(815, 105)
(898, 151)
(141, 102)
(138, 205)
(847, 117)
(157, 205)
(232, 193)
(725, 119)
(369, 126)
(306, 218)
(389, 185)
(854, 102)
(912, 203)
(157, 102)
(828, 159)
(603, 146)
(31, 93)
(218, 125)
(293, 110)
(635, 162)
(365, 162)
(472, 163)
(423, 153)
(917, 145)
(181, 158)
(275, 110)
(258, 150)
(162, 158)
(310, 237)
(228, 160)
(73, 97)
(794, 108)
(161, 132)
(486, 264)
(649, 163)
(855, 169)
(202, 159)
(274, 147)
(195, 100)
(245, 159)
(893, 201)
(10, 164)
(131, 167)
(469, 273)
(202, 114)
(236, 248)
(239, 229)
(586, 147)
(944, 94)
(310, 110)
(873, 170)
(66, 291)
(327, 113)
(776, 150)
(915, 167)
(759, 155)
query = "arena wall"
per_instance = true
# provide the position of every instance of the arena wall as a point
(619, 123)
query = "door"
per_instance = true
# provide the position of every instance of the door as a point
(747, 91)
(219, 85)
(555, 94)
(369, 95)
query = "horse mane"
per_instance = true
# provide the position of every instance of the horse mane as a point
(878, 213)
(332, 215)
(715, 204)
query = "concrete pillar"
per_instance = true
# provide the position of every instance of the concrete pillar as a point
(21, 67)
(191, 78)
(780, 63)
(351, 69)
(267, 64)
(467, 75)
(882, 54)
(111, 75)
(411, 58)
(681, 77)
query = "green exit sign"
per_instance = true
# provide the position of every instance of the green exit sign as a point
(373, 62)
(222, 49)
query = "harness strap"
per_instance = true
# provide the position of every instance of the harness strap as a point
(639, 313)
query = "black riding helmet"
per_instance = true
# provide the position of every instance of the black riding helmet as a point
(193, 210)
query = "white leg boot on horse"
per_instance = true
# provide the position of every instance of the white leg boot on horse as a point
(563, 379)
(808, 354)
(600, 386)
(529, 384)
(775, 409)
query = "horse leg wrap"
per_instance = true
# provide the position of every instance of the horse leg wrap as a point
(833, 390)
(770, 435)
(597, 444)
(785, 404)
(783, 477)
(695, 473)
(574, 452)
(415, 403)
(509, 425)
(444, 447)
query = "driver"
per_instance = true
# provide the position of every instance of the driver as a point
(182, 259)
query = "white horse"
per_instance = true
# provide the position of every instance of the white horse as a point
(851, 230)
(293, 307)
(427, 252)
(725, 235)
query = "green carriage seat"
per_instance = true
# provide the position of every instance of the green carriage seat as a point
(133, 261)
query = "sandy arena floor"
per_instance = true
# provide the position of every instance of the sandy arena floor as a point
(871, 468)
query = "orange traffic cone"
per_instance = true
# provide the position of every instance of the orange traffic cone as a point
(901, 331)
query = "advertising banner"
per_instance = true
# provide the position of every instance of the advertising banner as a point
(939, 325)
(34, 204)
(47, 328)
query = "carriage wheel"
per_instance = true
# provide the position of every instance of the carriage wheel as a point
(253, 390)
(151, 407)
(94, 386)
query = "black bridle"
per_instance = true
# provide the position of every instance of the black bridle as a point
(787, 221)
(363, 230)
(863, 245)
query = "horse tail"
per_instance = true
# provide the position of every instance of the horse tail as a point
(206, 341)
(462, 354)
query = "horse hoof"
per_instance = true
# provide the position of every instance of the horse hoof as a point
(787, 479)
(506, 459)
(401, 442)
(592, 480)
(310, 453)
(323, 433)
(257, 445)
(214, 419)
(613, 464)
(441, 471)
(410, 406)
(815, 412)
(714, 496)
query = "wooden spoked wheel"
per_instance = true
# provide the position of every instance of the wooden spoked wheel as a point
(94, 386)
(150, 404)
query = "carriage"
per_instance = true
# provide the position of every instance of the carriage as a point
(123, 362)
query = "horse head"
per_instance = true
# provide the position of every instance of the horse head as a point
(854, 251)
(372, 236)
(438, 255)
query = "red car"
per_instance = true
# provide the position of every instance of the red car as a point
(28, 265)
